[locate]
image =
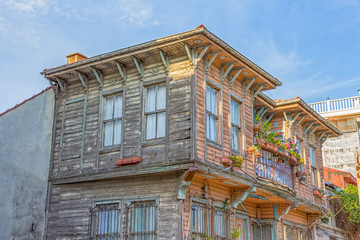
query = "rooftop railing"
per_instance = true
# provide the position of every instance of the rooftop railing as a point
(343, 104)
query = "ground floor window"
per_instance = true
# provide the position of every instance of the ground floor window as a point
(220, 223)
(142, 220)
(105, 220)
(288, 232)
(261, 230)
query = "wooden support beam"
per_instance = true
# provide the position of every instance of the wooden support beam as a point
(209, 62)
(98, 76)
(122, 70)
(246, 87)
(298, 122)
(62, 84)
(243, 197)
(83, 80)
(206, 47)
(324, 139)
(139, 66)
(313, 130)
(263, 113)
(165, 60)
(224, 72)
(270, 117)
(322, 135)
(233, 78)
(256, 92)
(306, 129)
(189, 52)
(284, 213)
(258, 112)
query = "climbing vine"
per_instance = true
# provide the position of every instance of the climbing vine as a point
(350, 202)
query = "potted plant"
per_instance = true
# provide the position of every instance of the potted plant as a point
(257, 125)
(237, 161)
(252, 149)
(299, 173)
(257, 153)
(318, 192)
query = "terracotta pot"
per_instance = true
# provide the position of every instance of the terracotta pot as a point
(226, 161)
(280, 160)
(259, 141)
(297, 174)
(257, 154)
(317, 194)
(250, 151)
(256, 127)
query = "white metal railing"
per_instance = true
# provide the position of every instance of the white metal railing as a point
(337, 104)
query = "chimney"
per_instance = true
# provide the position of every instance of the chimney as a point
(75, 57)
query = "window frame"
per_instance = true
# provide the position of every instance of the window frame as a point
(285, 227)
(206, 222)
(234, 125)
(217, 207)
(94, 216)
(211, 114)
(313, 168)
(105, 96)
(130, 219)
(156, 112)
(300, 142)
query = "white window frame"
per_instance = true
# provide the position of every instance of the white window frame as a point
(131, 218)
(156, 112)
(235, 126)
(313, 166)
(210, 114)
(95, 218)
(112, 120)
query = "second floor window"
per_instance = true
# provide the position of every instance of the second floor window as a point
(112, 120)
(313, 166)
(155, 112)
(300, 149)
(235, 125)
(211, 114)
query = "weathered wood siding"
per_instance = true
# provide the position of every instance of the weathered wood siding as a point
(213, 152)
(69, 216)
(78, 149)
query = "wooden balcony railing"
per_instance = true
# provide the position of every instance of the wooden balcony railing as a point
(342, 104)
(267, 166)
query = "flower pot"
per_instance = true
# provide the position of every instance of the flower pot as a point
(257, 154)
(226, 161)
(280, 160)
(297, 174)
(293, 160)
(256, 127)
(250, 151)
(259, 141)
(317, 193)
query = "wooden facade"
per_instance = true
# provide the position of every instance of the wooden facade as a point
(175, 185)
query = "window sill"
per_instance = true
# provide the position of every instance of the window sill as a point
(110, 149)
(236, 152)
(153, 142)
(214, 144)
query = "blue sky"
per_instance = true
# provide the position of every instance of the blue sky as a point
(312, 47)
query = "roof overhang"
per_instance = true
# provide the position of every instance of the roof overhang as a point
(197, 39)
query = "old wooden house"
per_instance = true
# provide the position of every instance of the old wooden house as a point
(142, 140)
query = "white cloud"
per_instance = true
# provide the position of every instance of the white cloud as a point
(135, 12)
(29, 6)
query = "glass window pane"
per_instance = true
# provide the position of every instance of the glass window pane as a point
(118, 106)
(161, 97)
(235, 138)
(160, 129)
(235, 118)
(214, 101)
(108, 133)
(150, 99)
(117, 132)
(208, 98)
(109, 106)
(151, 126)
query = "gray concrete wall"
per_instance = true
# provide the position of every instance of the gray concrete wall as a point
(25, 145)
(339, 152)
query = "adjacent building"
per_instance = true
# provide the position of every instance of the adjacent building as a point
(340, 152)
(25, 147)
(143, 139)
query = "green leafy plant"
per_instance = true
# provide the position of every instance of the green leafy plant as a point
(350, 203)
(325, 220)
(235, 234)
(257, 119)
(238, 160)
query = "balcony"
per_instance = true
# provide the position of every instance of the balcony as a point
(336, 107)
(267, 166)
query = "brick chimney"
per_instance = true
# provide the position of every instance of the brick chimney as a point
(75, 57)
